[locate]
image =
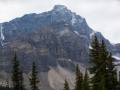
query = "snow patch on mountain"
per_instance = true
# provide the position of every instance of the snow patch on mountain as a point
(90, 47)
(83, 36)
(66, 24)
(76, 32)
(116, 57)
(92, 34)
(2, 35)
(3, 44)
(70, 60)
(73, 21)
(64, 32)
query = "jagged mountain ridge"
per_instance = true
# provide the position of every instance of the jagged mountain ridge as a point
(57, 37)
(31, 22)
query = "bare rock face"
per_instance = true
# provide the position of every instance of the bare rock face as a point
(55, 40)
(47, 46)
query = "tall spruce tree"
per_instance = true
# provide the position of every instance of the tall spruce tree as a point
(94, 57)
(15, 73)
(103, 55)
(22, 86)
(79, 79)
(34, 80)
(107, 68)
(105, 77)
(66, 85)
(85, 85)
(111, 73)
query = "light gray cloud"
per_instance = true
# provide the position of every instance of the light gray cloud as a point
(101, 15)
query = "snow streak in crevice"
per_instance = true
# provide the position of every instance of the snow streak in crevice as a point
(73, 21)
(2, 35)
(91, 36)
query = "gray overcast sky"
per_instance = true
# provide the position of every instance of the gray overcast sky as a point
(101, 15)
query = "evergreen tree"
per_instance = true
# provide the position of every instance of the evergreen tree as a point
(5, 88)
(94, 57)
(85, 85)
(66, 86)
(105, 77)
(22, 86)
(77, 69)
(107, 68)
(118, 87)
(101, 85)
(15, 73)
(79, 79)
(111, 74)
(103, 55)
(34, 81)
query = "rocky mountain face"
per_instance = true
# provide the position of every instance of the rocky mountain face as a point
(55, 40)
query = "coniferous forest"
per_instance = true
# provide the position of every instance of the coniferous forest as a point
(104, 74)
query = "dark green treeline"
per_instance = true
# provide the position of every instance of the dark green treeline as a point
(102, 68)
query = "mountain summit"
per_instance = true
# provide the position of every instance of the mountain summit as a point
(31, 22)
(59, 7)
(56, 40)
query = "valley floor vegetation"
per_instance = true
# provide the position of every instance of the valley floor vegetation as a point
(102, 68)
